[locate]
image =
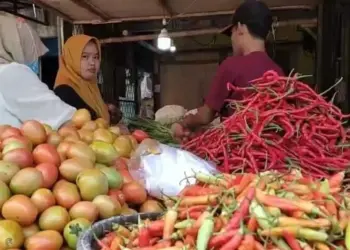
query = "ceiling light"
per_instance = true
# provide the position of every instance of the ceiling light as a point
(163, 41)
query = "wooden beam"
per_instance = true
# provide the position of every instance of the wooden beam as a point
(45, 6)
(165, 6)
(187, 15)
(154, 36)
(87, 5)
(199, 32)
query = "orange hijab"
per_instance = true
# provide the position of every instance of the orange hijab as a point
(69, 73)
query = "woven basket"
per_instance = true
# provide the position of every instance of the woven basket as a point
(87, 240)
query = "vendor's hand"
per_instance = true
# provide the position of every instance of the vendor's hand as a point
(180, 133)
(115, 113)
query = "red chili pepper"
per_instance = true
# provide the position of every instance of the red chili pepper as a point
(155, 228)
(221, 239)
(234, 242)
(291, 240)
(144, 238)
(242, 211)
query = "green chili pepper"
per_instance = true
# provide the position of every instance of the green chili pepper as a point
(324, 187)
(347, 237)
(184, 224)
(205, 232)
(265, 223)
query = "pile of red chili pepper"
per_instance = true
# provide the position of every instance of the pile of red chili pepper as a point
(279, 122)
(269, 211)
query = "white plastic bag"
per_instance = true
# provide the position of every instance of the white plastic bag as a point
(146, 87)
(162, 169)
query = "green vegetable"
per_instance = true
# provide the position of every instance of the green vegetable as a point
(154, 129)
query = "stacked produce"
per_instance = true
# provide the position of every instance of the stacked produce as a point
(279, 122)
(155, 129)
(270, 211)
(54, 184)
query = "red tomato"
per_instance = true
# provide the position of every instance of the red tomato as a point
(49, 172)
(122, 167)
(140, 135)
(46, 153)
(10, 131)
(118, 195)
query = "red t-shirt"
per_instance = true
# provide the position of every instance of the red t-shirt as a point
(239, 71)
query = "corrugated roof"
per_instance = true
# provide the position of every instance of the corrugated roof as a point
(97, 11)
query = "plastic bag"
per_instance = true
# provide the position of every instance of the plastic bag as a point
(162, 169)
(146, 87)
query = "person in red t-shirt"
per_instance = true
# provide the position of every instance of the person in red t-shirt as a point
(250, 26)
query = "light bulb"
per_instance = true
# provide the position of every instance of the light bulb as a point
(163, 41)
(172, 48)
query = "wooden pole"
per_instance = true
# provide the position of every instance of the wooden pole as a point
(307, 22)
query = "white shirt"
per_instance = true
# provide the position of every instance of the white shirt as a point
(24, 97)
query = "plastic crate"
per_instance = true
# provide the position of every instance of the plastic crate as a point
(101, 228)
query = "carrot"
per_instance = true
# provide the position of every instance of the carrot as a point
(314, 223)
(291, 240)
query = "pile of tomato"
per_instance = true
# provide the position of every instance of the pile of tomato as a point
(55, 184)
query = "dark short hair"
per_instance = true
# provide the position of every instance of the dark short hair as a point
(255, 15)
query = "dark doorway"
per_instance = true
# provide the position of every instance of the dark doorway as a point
(49, 62)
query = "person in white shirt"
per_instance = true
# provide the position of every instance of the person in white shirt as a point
(22, 94)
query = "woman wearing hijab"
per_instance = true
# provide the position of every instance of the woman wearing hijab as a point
(22, 95)
(76, 81)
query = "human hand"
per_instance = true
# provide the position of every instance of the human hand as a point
(115, 113)
(180, 133)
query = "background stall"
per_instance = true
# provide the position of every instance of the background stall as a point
(311, 36)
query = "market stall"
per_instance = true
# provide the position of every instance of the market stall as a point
(271, 176)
